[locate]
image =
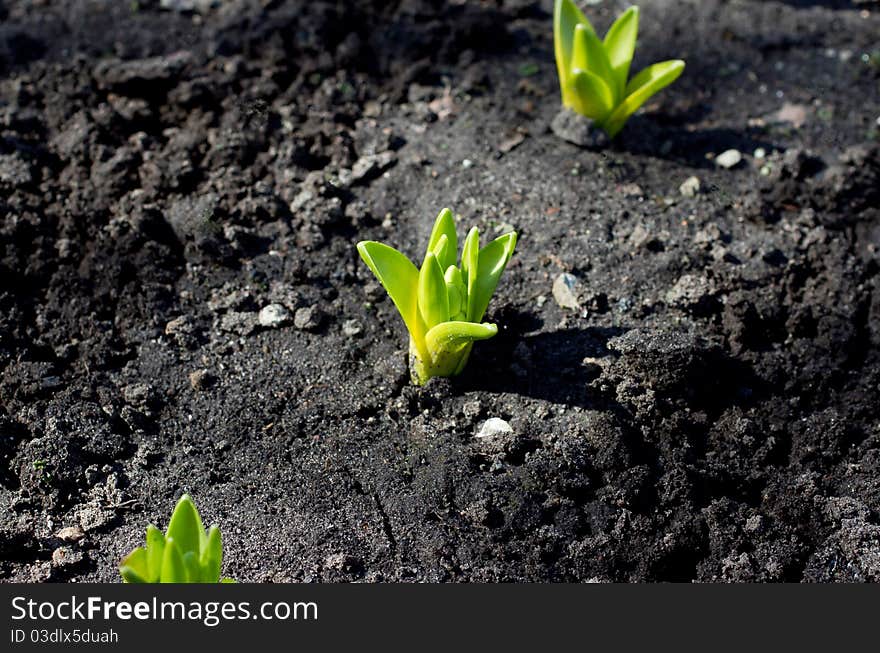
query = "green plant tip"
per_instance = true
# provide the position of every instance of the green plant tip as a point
(594, 74)
(186, 553)
(441, 303)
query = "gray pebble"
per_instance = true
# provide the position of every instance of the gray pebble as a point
(308, 318)
(578, 130)
(70, 534)
(565, 291)
(273, 315)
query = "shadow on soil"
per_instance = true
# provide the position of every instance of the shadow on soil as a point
(674, 143)
(549, 366)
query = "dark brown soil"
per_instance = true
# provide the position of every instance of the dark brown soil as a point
(710, 411)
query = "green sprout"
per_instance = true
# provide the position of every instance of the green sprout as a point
(185, 554)
(593, 74)
(442, 304)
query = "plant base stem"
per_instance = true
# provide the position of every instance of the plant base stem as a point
(445, 364)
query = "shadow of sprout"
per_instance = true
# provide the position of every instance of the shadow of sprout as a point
(646, 136)
(552, 366)
(560, 366)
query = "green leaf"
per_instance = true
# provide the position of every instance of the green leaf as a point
(620, 45)
(641, 87)
(592, 97)
(565, 16)
(444, 225)
(452, 336)
(441, 248)
(470, 256)
(130, 575)
(589, 54)
(212, 556)
(492, 261)
(226, 581)
(399, 277)
(455, 290)
(185, 527)
(135, 567)
(433, 300)
(155, 550)
(173, 570)
(191, 567)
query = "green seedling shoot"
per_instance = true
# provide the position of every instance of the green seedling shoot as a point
(442, 304)
(185, 554)
(594, 74)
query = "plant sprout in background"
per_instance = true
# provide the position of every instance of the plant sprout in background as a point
(442, 304)
(185, 554)
(594, 74)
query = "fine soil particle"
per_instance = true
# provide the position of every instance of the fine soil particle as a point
(182, 307)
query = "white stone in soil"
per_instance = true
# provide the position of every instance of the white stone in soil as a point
(565, 290)
(729, 158)
(690, 187)
(273, 315)
(494, 427)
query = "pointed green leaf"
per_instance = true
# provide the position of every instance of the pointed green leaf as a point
(440, 249)
(565, 16)
(654, 78)
(492, 261)
(433, 300)
(641, 87)
(399, 277)
(589, 54)
(227, 580)
(591, 97)
(444, 225)
(135, 567)
(173, 570)
(451, 336)
(620, 45)
(155, 551)
(212, 556)
(470, 256)
(455, 290)
(185, 527)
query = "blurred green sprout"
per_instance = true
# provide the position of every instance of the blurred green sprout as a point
(594, 74)
(442, 304)
(184, 554)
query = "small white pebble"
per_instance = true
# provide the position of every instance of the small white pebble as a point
(690, 187)
(729, 159)
(493, 427)
(273, 315)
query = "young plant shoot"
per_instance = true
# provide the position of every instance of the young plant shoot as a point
(185, 554)
(593, 74)
(442, 304)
